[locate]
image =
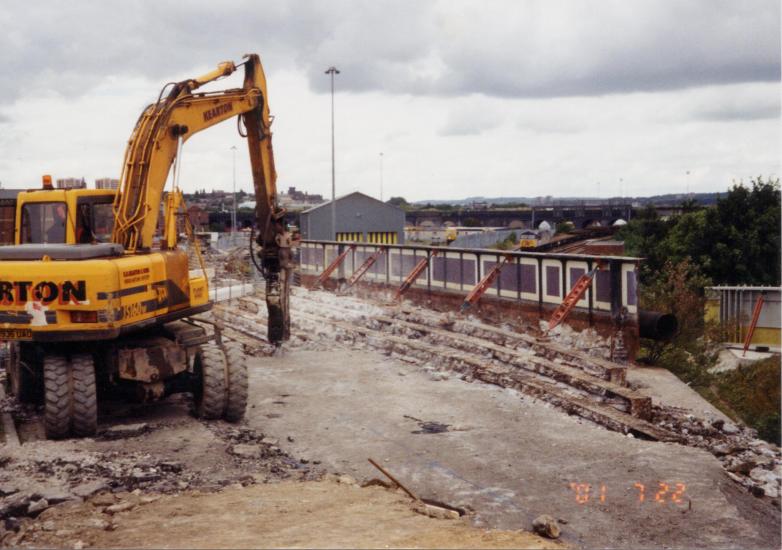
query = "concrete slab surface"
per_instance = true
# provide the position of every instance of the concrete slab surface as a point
(508, 458)
(666, 388)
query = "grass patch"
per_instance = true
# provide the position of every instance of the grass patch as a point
(753, 392)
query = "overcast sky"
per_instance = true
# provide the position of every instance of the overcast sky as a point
(523, 98)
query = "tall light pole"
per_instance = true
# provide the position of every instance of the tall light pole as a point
(233, 214)
(688, 182)
(381, 176)
(332, 71)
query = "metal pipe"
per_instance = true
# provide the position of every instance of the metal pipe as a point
(392, 478)
(656, 325)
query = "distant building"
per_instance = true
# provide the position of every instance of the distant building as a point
(603, 247)
(71, 183)
(199, 218)
(733, 306)
(7, 215)
(359, 218)
(302, 196)
(106, 183)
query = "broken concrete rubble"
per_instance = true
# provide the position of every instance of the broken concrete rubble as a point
(37, 506)
(120, 507)
(446, 344)
(41, 474)
(89, 488)
(124, 430)
(546, 526)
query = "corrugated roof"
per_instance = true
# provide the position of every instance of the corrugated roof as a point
(346, 196)
(9, 193)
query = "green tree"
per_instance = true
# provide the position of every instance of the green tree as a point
(398, 201)
(741, 235)
(564, 227)
(677, 289)
(642, 237)
(735, 242)
(508, 243)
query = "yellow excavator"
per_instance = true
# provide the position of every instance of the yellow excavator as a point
(91, 299)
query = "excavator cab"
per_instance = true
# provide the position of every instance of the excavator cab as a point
(94, 219)
(64, 216)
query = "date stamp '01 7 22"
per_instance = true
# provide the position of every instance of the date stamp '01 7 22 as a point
(664, 493)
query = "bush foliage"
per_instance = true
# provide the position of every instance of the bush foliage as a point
(736, 242)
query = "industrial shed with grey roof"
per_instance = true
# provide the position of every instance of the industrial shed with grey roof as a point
(359, 218)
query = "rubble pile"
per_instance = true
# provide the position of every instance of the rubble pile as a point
(753, 463)
(40, 474)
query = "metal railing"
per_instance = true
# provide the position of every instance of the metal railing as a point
(528, 277)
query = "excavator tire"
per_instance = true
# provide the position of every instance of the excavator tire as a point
(85, 401)
(236, 374)
(210, 392)
(57, 395)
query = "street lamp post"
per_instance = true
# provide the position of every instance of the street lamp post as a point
(233, 213)
(332, 71)
(381, 176)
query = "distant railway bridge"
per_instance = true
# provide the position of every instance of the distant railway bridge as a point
(515, 218)
(524, 218)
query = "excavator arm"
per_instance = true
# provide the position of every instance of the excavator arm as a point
(156, 142)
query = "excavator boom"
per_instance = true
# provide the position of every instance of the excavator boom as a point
(157, 140)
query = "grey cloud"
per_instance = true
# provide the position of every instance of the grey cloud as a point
(469, 123)
(535, 48)
(731, 112)
(53, 47)
(550, 125)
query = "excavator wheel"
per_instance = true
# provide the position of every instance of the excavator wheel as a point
(57, 394)
(209, 393)
(71, 403)
(85, 399)
(236, 374)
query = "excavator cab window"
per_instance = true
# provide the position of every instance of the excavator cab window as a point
(94, 221)
(43, 222)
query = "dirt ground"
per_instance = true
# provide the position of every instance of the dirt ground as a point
(280, 515)
(504, 455)
(217, 485)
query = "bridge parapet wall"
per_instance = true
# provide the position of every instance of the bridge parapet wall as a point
(529, 287)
